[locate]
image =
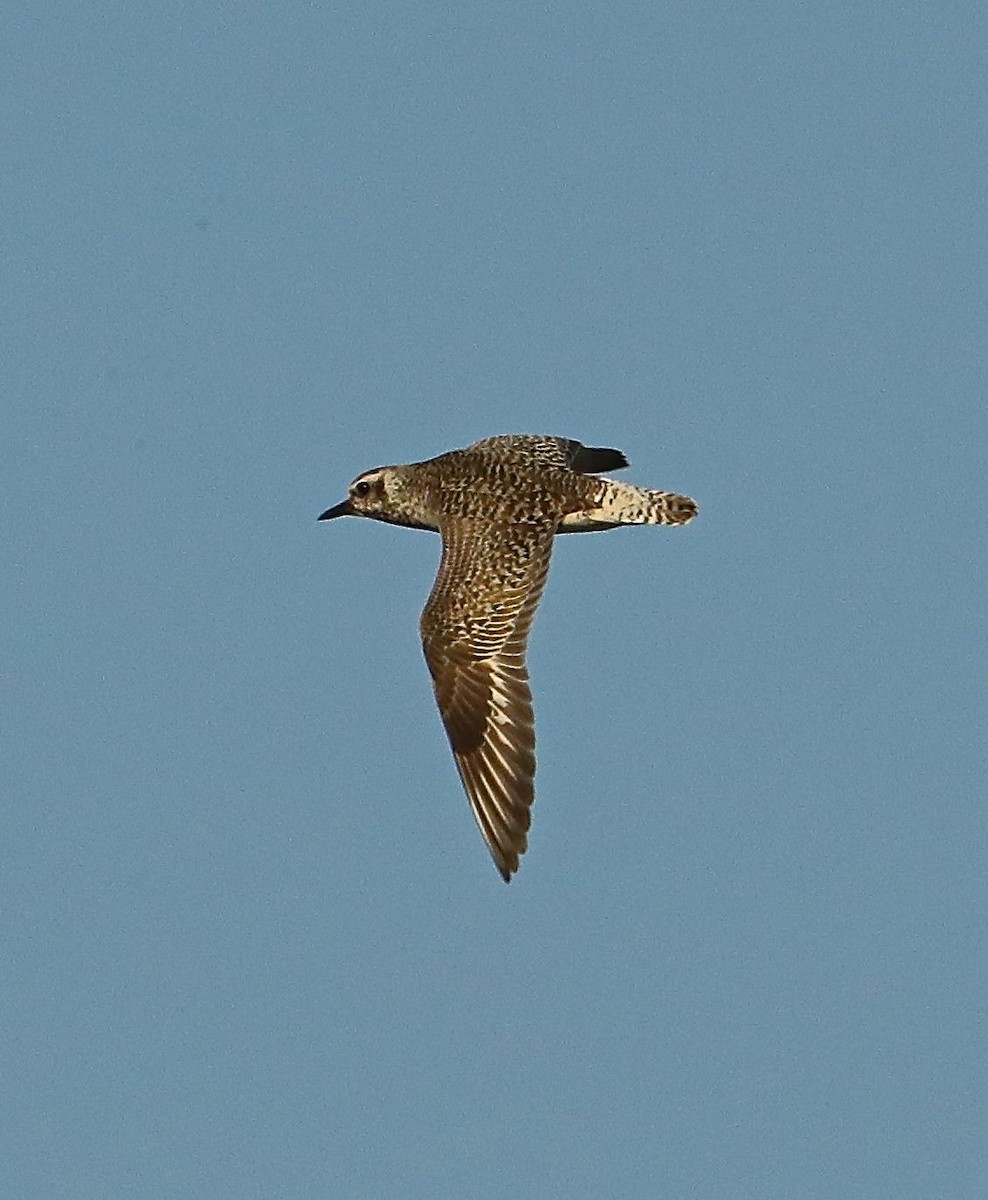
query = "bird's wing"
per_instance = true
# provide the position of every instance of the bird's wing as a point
(474, 630)
(564, 453)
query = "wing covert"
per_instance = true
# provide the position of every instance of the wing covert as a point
(567, 454)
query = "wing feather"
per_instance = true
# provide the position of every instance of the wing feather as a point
(475, 629)
(564, 453)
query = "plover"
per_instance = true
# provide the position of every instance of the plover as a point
(498, 504)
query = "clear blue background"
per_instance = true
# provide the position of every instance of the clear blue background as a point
(252, 944)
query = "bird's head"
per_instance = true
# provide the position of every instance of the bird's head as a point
(368, 496)
(383, 495)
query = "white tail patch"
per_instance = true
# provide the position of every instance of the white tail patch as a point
(624, 504)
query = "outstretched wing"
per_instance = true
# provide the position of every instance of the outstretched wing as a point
(565, 453)
(474, 632)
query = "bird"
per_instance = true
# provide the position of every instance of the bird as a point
(498, 505)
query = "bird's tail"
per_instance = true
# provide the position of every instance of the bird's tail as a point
(624, 504)
(644, 507)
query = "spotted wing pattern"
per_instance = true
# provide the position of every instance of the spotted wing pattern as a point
(565, 453)
(474, 631)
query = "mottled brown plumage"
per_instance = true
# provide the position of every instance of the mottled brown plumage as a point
(498, 504)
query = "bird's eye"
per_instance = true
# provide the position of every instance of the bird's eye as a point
(362, 488)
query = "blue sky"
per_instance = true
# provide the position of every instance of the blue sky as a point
(252, 943)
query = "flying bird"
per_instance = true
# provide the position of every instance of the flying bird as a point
(498, 504)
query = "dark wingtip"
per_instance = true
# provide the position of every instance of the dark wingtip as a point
(590, 460)
(505, 871)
